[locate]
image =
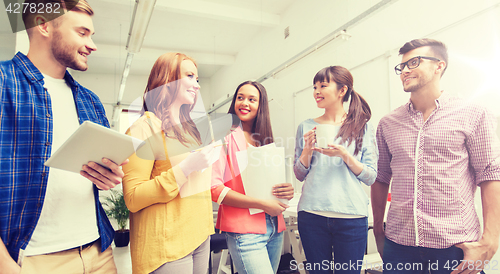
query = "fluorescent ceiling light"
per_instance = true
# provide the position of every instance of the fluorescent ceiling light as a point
(139, 25)
(138, 28)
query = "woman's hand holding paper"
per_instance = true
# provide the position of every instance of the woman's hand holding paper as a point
(283, 191)
(198, 160)
(273, 207)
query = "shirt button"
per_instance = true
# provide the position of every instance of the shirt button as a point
(39, 205)
(43, 174)
(45, 89)
(48, 115)
(47, 144)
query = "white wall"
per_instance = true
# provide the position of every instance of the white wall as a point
(7, 47)
(8, 41)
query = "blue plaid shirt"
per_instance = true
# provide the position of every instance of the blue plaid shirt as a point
(25, 144)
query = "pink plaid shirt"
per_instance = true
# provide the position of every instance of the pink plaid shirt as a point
(435, 167)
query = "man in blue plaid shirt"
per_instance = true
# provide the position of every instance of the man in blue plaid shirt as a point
(51, 221)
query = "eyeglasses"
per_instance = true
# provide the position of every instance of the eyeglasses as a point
(412, 63)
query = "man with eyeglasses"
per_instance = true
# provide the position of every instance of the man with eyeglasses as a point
(434, 152)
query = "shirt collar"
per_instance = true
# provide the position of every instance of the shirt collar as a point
(443, 99)
(69, 79)
(440, 102)
(27, 67)
(32, 72)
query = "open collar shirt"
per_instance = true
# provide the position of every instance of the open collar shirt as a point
(435, 167)
(25, 144)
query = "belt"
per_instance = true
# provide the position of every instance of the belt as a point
(85, 246)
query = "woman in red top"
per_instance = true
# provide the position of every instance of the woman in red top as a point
(254, 241)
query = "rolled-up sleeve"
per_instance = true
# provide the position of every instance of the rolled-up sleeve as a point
(140, 191)
(299, 169)
(219, 170)
(484, 148)
(384, 172)
(369, 157)
(139, 188)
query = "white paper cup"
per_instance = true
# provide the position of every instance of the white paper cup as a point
(325, 134)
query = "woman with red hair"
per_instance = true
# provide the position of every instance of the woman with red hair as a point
(169, 233)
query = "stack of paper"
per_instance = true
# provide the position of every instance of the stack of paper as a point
(261, 168)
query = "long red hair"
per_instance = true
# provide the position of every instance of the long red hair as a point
(161, 91)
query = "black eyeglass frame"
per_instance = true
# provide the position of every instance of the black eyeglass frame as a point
(405, 64)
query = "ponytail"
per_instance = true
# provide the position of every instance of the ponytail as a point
(353, 128)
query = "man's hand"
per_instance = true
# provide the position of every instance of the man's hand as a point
(475, 255)
(283, 191)
(9, 267)
(379, 234)
(7, 264)
(378, 194)
(104, 178)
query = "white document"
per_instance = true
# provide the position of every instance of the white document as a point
(261, 168)
(92, 142)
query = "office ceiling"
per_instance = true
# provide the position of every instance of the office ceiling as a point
(211, 31)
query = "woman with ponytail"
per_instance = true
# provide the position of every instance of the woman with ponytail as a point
(333, 207)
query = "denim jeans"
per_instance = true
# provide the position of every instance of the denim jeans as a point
(256, 253)
(321, 236)
(409, 259)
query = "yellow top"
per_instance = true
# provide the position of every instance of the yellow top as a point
(163, 226)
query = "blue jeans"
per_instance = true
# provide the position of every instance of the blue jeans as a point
(410, 259)
(256, 253)
(321, 236)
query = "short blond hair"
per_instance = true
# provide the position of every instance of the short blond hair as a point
(74, 5)
(82, 5)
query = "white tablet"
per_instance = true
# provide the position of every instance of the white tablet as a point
(92, 142)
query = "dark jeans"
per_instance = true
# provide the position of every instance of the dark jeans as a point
(409, 259)
(321, 236)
